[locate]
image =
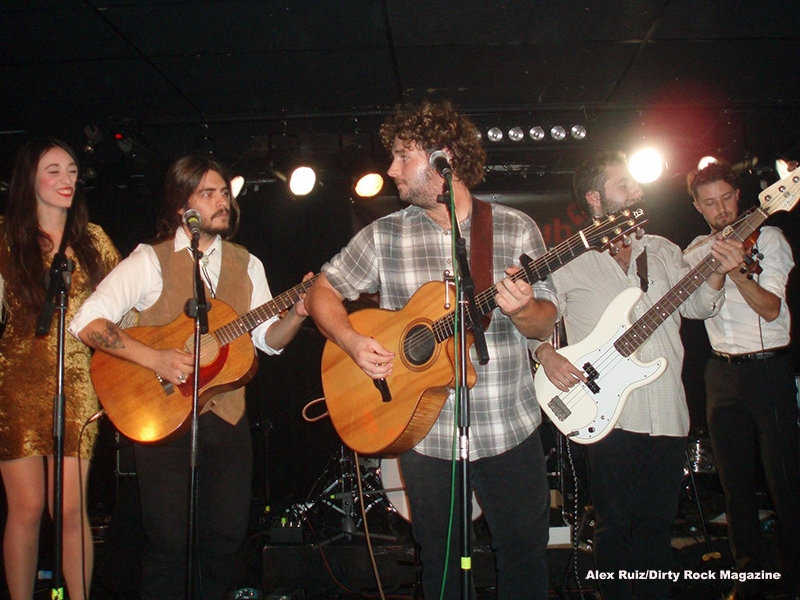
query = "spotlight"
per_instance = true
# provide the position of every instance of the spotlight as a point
(302, 180)
(782, 168)
(495, 134)
(705, 161)
(362, 171)
(537, 133)
(578, 132)
(515, 134)
(646, 165)
(558, 133)
(299, 177)
(237, 183)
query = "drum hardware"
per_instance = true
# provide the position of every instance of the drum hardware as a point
(334, 504)
(700, 457)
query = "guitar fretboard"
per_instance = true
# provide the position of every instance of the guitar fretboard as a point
(644, 327)
(249, 321)
(598, 235)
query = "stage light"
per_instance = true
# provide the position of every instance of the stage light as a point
(578, 132)
(515, 134)
(705, 161)
(646, 165)
(302, 181)
(537, 133)
(237, 183)
(360, 168)
(782, 168)
(558, 133)
(495, 134)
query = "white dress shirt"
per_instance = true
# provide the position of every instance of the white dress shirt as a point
(136, 283)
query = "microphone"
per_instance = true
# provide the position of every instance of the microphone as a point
(440, 163)
(192, 220)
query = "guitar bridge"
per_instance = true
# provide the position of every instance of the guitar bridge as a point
(559, 409)
(591, 377)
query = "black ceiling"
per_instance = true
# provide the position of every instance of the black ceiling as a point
(695, 75)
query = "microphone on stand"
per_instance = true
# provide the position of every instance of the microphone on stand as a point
(440, 162)
(192, 220)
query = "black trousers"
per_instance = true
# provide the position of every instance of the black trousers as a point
(752, 411)
(512, 489)
(225, 465)
(635, 490)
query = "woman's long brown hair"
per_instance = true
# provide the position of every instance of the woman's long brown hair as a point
(30, 246)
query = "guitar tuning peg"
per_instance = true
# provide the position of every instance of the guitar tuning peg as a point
(639, 233)
(626, 240)
(613, 250)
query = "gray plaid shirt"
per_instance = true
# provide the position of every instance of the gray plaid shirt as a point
(397, 254)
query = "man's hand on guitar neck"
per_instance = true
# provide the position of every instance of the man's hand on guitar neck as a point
(562, 373)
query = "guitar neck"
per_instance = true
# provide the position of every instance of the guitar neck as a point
(644, 327)
(534, 270)
(249, 321)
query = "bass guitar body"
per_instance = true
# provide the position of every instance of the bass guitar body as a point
(588, 412)
(392, 415)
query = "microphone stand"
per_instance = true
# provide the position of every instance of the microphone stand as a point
(58, 281)
(197, 308)
(466, 315)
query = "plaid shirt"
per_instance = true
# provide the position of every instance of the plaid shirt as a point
(397, 254)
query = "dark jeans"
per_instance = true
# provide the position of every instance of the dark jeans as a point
(225, 465)
(635, 489)
(513, 491)
(752, 411)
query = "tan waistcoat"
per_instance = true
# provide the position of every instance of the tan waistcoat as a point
(234, 288)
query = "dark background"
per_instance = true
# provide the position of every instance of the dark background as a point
(134, 84)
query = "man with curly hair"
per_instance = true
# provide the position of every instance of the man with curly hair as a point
(397, 254)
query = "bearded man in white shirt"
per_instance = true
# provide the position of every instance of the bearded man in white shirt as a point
(155, 280)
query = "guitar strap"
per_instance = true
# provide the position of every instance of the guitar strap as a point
(641, 270)
(482, 249)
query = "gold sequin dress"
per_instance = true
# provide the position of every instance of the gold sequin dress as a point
(28, 372)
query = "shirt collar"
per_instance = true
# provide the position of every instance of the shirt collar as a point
(182, 241)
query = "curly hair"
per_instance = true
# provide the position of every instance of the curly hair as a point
(709, 174)
(591, 175)
(433, 125)
(29, 246)
(183, 177)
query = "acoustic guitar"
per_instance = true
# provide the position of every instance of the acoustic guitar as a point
(390, 416)
(147, 408)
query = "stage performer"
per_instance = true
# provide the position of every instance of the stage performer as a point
(156, 280)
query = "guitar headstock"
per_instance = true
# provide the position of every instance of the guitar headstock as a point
(610, 228)
(781, 195)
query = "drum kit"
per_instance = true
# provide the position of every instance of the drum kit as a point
(350, 482)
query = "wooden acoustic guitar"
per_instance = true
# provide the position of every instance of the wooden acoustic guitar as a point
(390, 416)
(149, 409)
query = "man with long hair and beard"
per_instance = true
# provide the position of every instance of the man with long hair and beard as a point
(155, 280)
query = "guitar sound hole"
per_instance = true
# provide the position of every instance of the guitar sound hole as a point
(419, 345)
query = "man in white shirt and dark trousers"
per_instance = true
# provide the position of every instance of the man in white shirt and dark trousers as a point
(156, 280)
(636, 470)
(750, 388)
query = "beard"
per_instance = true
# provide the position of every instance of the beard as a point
(423, 190)
(222, 228)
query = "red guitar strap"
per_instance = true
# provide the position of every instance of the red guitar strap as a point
(481, 250)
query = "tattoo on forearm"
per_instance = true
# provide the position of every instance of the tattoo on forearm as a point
(109, 339)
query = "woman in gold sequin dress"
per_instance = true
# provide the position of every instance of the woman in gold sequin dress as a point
(42, 189)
